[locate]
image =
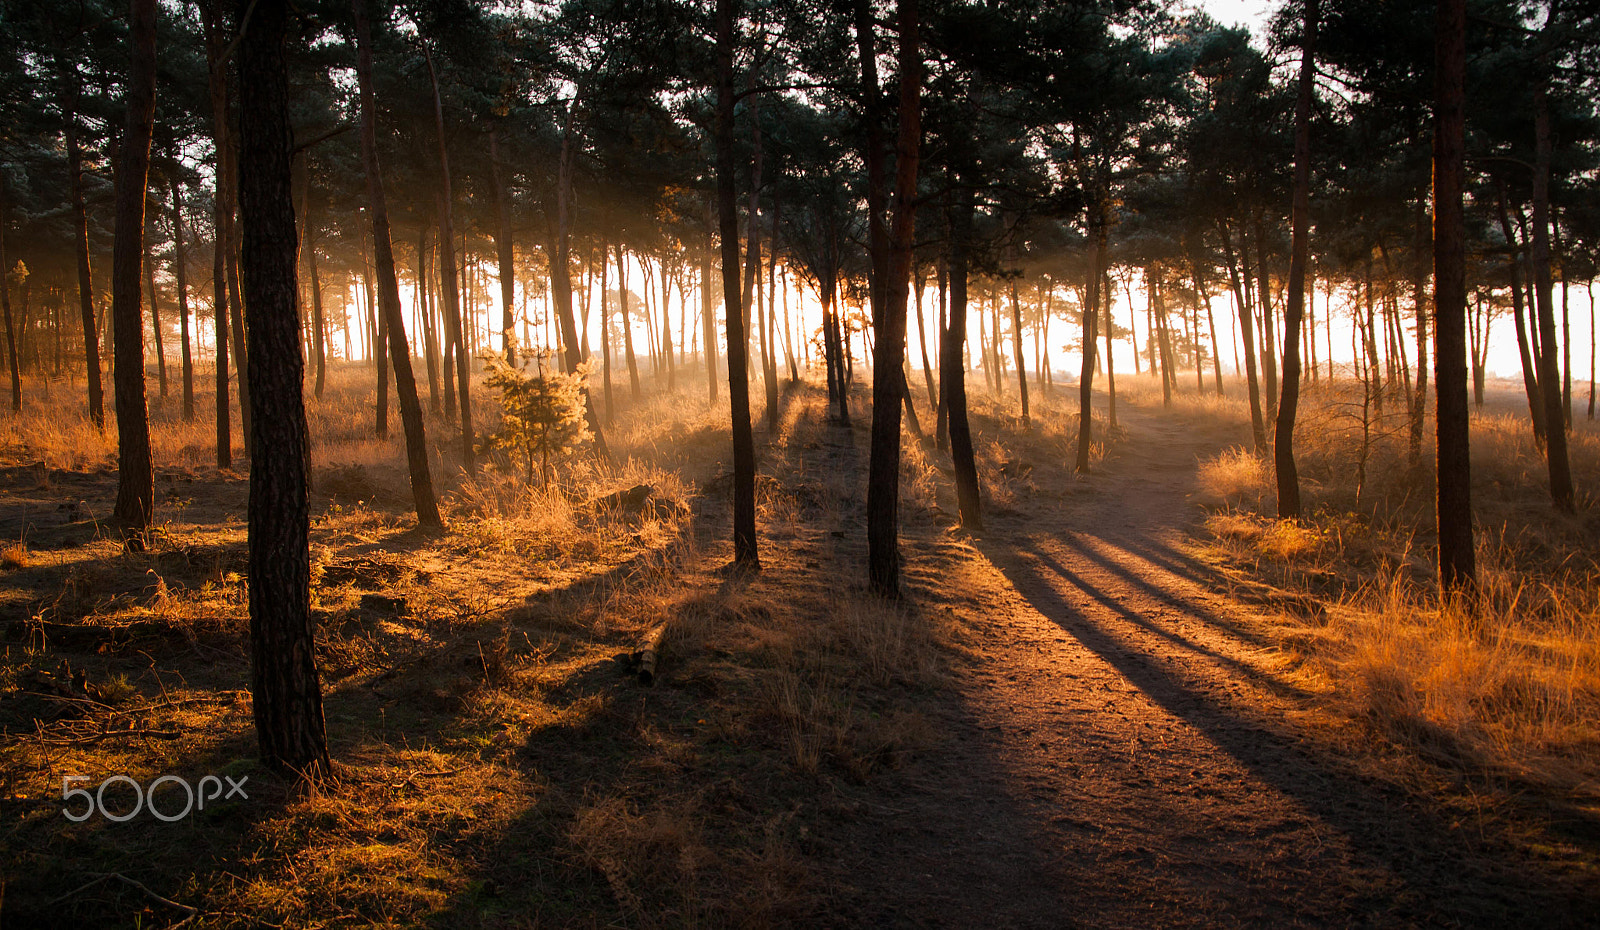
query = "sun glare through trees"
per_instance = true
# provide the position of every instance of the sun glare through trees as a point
(806, 463)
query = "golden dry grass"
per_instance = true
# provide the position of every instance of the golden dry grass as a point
(1510, 684)
(494, 756)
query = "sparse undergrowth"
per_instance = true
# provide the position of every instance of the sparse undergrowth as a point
(497, 759)
(1506, 689)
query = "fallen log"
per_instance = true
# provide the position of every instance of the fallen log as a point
(649, 654)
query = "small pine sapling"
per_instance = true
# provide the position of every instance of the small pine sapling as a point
(542, 413)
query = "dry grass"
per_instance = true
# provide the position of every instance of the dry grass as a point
(496, 762)
(1509, 685)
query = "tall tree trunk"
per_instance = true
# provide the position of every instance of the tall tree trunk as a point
(1016, 344)
(5, 307)
(447, 280)
(952, 366)
(389, 288)
(1257, 427)
(180, 268)
(319, 342)
(80, 217)
(1457, 559)
(136, 488)
(708, 316)
(888, 376)
(1549, 364)
(505, 254)
(1419, 297)
(627, 324)
(155, 318)
(1299, 250)
(1091, 320)
(1530, 375)
(872, 113)
(922, 342)
(744, 453)
(605, 334)
(1269, 361)
(430, 339)
(561, 285)
(285, 690)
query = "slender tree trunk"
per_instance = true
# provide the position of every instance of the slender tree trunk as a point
(505, 255)
(1457, 560)
(319, 342)
(744, 454)
(1111, 368)
(284, 686)
(1156, 286)
(155, 318)
(447, 282)
(708, 317)
(1016, 343)
(1299, 250)
(1591, 348)
(952, 367)
(605, 334)
(922, 342)
(5, 307)
(561, 286)
(1257, 426)
(1091, 319)
(627, 324)
(1269, 361)
(389, 288)
(136, 488)
(888, 375)
(180, 267)
(1530, 376)
(1549, 365)
(80, 216)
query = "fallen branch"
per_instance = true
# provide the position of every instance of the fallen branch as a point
(141, 886)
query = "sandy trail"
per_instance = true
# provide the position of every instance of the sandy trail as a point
(1118, 753)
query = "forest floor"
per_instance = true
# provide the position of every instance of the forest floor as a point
(1077, 717)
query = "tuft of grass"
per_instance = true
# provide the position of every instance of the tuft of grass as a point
(14, 556)
(1235, 477)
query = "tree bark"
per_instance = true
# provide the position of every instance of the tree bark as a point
(180, 269)
(1549, 364)
(389, 289)
(284, 686)
(1257, 427)
(1299, 251)
(744, 455)
(136, 489)
(80, 217)
(1457, 559)
(1089, 341)
(506, 255)
(888, 376)
(952, 367)
(5, 306)
(447, 275)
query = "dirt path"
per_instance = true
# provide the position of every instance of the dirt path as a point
(1118, 752)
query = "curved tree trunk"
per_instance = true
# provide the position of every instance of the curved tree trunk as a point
(1299, 249)
(389, 289)
(1549, 364)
